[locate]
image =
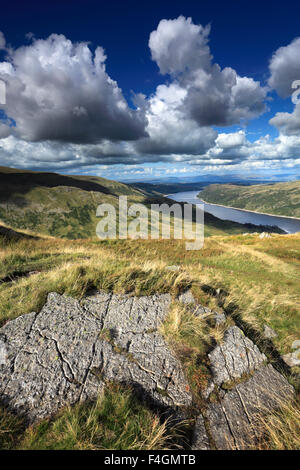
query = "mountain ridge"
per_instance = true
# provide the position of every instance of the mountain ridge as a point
(276, 199)
(65, 205)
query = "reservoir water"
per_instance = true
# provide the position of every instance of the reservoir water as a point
(236, 215)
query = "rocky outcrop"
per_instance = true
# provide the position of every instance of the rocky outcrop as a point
(235, 356)
(66, 352)
(188, 299)
(293, 359)
(200, 437)
(265, 235)
(254, 389)
(233, 422)
(269, 333)
(69, 350)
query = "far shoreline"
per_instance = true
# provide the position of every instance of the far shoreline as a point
(247, 210)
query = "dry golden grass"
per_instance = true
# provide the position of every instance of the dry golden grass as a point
(115, 421)
(181, 324)
(280, 430)
(260, 278)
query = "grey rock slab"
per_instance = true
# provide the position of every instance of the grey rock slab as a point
(233, 421)
(200, 440)
(60, 355)
(3, 353)
(138, 314)
(219, 428)
(187, 297)
(292, 359)
(219, 318)
(269, 333)
(235, 356)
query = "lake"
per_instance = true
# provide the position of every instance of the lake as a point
(236, 215)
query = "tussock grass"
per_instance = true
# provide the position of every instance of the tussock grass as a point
(256, 280)
(260, 277)
(115, 421)
(11, 428)
(182, 325)
(73, 268)
(191, 337)
(281, 429)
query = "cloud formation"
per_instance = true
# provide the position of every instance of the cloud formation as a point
(213, 96)
(170, 129)
(60, 91)
(287, 123)
(285, 68)
(284, 72)
(179, 45)
(65, 112)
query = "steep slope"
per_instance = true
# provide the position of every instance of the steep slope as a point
(277, 199)
(65, 206)
(57, 205)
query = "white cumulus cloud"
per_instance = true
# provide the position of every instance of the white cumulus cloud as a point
(214, 96)
(170, 130)
(284, 72)
(285, 68)
(60, 91)
(65, 112)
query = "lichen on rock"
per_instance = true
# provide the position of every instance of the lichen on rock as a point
(58, 356)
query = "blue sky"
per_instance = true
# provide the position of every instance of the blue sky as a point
(132, 91)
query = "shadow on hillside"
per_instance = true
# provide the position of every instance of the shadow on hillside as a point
(11, 183)
(11, 234)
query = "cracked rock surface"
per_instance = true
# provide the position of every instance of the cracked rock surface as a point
(65, 353)
(231, 421)
(235, 356)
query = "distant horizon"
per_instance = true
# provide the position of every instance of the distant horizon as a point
(206, 178)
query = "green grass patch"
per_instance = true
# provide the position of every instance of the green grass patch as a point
(116, 421)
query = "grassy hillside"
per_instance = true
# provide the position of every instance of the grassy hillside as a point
(277, 199)
(65, 206)
(57, 205)
(255, 281)
(260, 276)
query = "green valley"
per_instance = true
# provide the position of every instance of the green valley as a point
(278, 199)
(65, 206)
